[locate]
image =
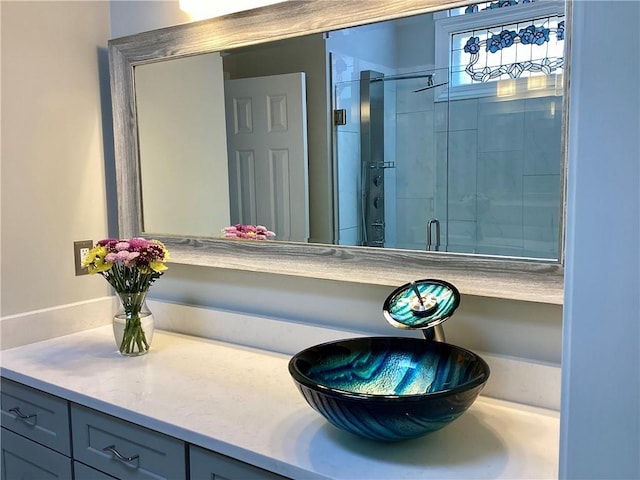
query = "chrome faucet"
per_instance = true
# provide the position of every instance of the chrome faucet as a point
(435, 333)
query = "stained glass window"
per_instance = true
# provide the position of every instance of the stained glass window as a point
(503, 40)
(529, 48)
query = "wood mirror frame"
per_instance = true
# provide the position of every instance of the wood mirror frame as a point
(500, 277)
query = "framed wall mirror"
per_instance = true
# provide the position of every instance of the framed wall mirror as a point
(412, 140)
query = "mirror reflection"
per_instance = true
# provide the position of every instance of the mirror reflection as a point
(438, 132)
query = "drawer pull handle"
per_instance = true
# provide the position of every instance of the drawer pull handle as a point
(22, 416)
(118, 455)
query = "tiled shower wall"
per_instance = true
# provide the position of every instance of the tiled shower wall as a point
(497, 191)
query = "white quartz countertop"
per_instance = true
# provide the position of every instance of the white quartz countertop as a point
(242, 402)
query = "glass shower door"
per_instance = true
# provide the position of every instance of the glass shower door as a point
(419, 123)
(390, 141)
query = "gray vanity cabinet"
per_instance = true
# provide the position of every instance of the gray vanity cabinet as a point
(83, 472)
(39, 430)
(37, 415)
(125, 450)
(35, 440)
(25, 459)
(206, 464)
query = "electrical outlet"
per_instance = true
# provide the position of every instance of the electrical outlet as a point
(80, 250)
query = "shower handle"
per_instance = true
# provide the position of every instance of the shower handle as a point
(433, 222)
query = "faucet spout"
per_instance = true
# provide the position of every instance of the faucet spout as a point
(435, 333)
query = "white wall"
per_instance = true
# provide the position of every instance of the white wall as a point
(176, 104)
(53, 163)
(135, 16)
(600, 420)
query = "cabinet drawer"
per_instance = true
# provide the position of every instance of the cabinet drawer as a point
(36, 415)
(24, 459)
(124, 450)
(207, 464)
(82, 472)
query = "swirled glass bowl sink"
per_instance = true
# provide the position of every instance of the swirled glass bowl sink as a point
(389, 388)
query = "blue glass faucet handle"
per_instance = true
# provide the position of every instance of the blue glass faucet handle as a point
(421, 304)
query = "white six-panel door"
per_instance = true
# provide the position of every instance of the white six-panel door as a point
(267, 144)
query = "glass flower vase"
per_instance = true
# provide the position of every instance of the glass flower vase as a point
(133, 324)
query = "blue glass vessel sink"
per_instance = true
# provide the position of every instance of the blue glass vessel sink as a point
(389, 388)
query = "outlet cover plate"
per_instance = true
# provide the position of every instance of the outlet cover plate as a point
(80, 247)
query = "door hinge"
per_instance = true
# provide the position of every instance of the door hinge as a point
(339, 116)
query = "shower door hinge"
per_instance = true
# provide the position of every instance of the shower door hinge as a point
(339, 116)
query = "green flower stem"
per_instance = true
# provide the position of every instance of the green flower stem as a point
(134, 339)
(129, 279)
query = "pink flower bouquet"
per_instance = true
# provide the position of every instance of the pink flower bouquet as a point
(247, 232)
(130, 267)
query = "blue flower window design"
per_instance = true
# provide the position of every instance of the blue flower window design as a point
(537, 52)
(473, 45)
(560, 31)
(534, 35)
(503, 40)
